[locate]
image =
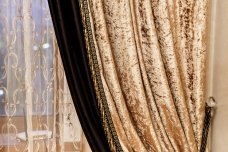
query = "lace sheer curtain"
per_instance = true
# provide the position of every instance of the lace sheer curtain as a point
(36, 110)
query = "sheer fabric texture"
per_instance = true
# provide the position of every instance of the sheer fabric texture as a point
(36, 109)
(152, 60)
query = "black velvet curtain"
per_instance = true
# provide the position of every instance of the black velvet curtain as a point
(69, 32)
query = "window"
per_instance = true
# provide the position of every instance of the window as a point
(35, 104)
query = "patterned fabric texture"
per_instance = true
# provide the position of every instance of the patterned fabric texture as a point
(152, 61)
(37, 113)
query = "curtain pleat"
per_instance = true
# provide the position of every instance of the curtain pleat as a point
(69, 32)
(137, 73)
(152, 60)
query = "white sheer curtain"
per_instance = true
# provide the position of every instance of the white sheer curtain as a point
(36, 110)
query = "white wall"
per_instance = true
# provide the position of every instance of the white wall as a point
(220, 76)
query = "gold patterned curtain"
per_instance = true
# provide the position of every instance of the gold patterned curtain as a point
(152, 62)
(36, 109)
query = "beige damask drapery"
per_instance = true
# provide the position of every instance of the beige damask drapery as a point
(152, 60)
(36, 109)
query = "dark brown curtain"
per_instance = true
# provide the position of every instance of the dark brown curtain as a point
(69, 32)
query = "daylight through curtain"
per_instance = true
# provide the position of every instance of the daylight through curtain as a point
(36, 109)
(151, 56)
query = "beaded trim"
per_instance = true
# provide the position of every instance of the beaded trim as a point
(107, 122)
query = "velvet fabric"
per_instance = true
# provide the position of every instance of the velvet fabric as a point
(69, 32)
(152, 60)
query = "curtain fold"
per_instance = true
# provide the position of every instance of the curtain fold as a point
(69, 32)
(151, 56)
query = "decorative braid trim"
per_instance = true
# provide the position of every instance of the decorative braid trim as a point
(107, 122)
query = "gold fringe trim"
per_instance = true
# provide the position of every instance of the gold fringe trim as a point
(107, 122)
